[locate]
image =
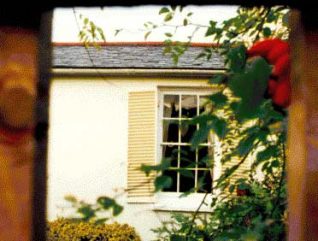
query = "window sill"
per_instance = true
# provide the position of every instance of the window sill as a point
(173, 202)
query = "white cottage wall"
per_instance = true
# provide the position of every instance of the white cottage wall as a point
(88, 140)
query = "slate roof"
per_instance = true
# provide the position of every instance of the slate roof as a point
(127, 55)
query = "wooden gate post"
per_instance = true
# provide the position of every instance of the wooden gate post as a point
(302, 167)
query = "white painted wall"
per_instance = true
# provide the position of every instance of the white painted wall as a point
(88, 140)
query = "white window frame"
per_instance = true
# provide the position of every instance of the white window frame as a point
(171, 201)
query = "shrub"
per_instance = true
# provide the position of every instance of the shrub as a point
(67, 230)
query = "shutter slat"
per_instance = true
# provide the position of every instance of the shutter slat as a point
(141, 142)
(243, 170)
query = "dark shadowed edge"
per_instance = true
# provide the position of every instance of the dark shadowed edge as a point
(41, 119)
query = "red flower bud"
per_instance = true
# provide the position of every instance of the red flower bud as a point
(271, 88)
(240, 192)
(276, 52)
(261, 48)
(282, 95)
(279, 49)
(282, 66)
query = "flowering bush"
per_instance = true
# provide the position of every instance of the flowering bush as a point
(276, 52)
(66, 230)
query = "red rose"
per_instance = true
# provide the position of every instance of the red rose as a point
(282, 66)
(276, 52)
(281, 95)
(242, 192)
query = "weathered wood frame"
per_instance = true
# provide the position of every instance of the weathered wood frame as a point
(302, 164)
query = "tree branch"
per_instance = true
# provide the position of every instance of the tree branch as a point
(196, 213)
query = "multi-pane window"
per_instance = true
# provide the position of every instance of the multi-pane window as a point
(190, 169)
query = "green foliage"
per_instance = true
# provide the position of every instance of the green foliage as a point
(162, 182)
(90, 33)
(66, 230)
(258, 216)
(99, 212)
(248, 26)
(249, 127)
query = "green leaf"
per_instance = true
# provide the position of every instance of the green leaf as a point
(267, 32)
(200, 135)
(176, 237)
(218, 79)
(207, 161)
(275, 163)
(250, 24)
(237, 58)
(101, 220)
(106, 202)
(164, 10)
(117, 209)
(211, 29)
(250, 236)
(162, 182)
(168, 35)
(218, 99)
(175, 59)
(208, 123)
(168, 17)
(219, 127)
(167, 49)
(250, 86)
(185, 172)
(70, 198)
(243, 186)
(246, 145)
(86, 211)
(200, 55)
(266, 154)
(285, 19)
(165, 164)
(179, 49)
(147, 34)
(271, 16)
(117, 31)
(231, 188)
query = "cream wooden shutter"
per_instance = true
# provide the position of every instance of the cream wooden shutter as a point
(241, 172)
(243, 169)
(141, 143)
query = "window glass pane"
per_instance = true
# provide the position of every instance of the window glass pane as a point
(189, 106)
(171, 106)
(187, 131)
(178, 149)
(204, 181)
(173, 175)
(186, 182)
(203, 154)
(187, 157)
(172, 153)
(205, 104)
(170, 131)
